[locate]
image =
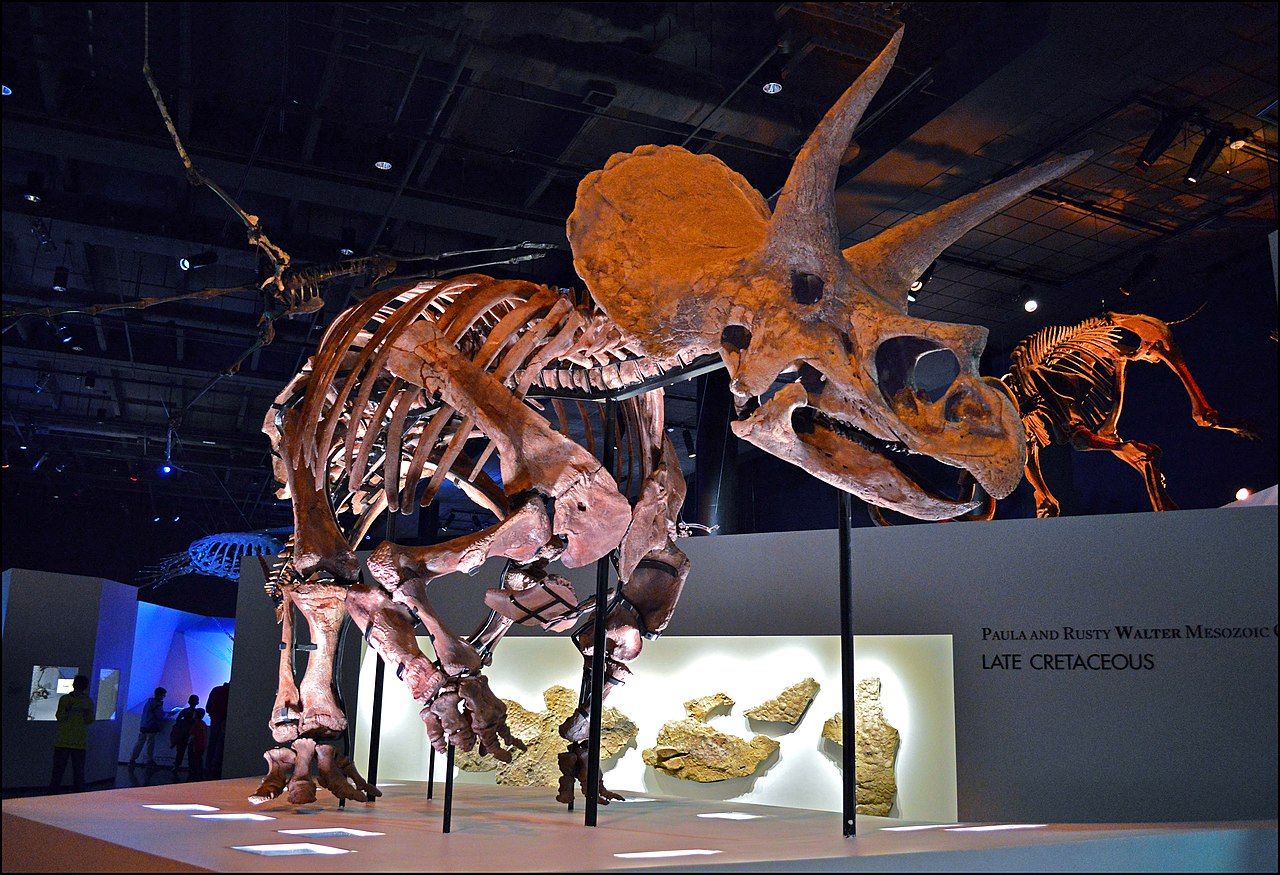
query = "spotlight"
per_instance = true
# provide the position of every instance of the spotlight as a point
(34, 192)
(382, 165)
(1215, 140)
(176, 518)
(61, 276)
(133, 478)
(688, 445)
(63, 333)
(1242, 493)
(40, 461)
(1238, 140)
(911, 299)
(165, 470)
(5, 90)
(198, 260)
(923, 279)
(155, 519)
(772, 87)
(1161, 138)
(1143, 271)
(1031, 305)
(59, 468)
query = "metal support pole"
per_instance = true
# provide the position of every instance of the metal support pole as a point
(598, 639)
(431, 771)
(448, 790)
(850, 776)
(375, 724)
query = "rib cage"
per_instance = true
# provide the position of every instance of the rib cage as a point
(1068, 366)
(378, 439)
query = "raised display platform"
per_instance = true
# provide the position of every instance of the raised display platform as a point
(510, 829)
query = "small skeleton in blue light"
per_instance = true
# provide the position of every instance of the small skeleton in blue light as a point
(216, 555)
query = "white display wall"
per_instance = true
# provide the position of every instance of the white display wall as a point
(917, 693)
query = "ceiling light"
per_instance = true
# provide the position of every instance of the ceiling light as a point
(911, 299)
(773, 88)
(165, 470)
(346, 252)
(923, 279)
(31, 197)
(63, 333)
(198, 260)
(1161, 138)
(156, 519)
(1215, 140)
(1143, 272)
(688, 445)
(1242, 493)
(382, 165)
(5, 90)
(177, 518)
(61, 276)
(40, 461)
(1031, 305)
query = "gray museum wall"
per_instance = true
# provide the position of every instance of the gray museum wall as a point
(64, 620)
(1191, 737)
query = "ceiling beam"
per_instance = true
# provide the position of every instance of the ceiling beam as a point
(281, 181)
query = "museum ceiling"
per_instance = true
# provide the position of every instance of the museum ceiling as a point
(489, 114)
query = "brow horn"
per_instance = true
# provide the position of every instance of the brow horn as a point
(896, 257)
(804, 220)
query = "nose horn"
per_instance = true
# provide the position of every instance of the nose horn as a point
(805, 216)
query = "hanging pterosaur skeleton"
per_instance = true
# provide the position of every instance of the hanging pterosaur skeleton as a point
(1069, 383)
(422, 383)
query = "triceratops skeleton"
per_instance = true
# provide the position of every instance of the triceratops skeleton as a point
(682, 259)
(1069, 383)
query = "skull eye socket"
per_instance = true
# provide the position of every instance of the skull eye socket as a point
(735, 337)
(916, 363)
(806, 288)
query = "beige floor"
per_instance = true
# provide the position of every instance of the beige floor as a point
(519, 829)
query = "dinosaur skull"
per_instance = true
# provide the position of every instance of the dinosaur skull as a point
(682, 253)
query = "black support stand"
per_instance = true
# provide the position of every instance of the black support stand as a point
(431, 771)
(849, 780)
(448, 790)
(592, 790)
(375, 724)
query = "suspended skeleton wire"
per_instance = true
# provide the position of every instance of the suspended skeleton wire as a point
(215, 555)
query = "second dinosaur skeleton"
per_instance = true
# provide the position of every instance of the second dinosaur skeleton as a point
(422, 383)
(1069, 382)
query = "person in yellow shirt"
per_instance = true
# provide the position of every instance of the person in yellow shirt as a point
(75, 712)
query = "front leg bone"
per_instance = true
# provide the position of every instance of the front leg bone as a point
(589, 511)
(302, 786)
(322, 606)
(287, 710)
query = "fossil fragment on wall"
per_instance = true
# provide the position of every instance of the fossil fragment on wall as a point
(706, 706)
(537, 765)
(875, 748)
(789, 705)
(695, 751)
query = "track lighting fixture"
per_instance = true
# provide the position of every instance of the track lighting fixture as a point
(1215, 140)
(198, 260)
(1161, 138)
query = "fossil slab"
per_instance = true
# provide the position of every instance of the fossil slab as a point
(694, 751)
(707, 706)
(537, 765)
(875, 748)
(789, 705)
